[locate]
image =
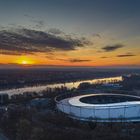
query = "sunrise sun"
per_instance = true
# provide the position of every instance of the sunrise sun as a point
(24, 61)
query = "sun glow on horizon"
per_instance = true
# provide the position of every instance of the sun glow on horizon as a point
(24, 61)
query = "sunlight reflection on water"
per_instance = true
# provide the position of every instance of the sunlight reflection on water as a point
(68, 85)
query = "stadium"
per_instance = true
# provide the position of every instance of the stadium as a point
(103, 107)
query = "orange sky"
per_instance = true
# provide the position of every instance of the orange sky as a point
(66, 59)
(70, 33)
(95, 53)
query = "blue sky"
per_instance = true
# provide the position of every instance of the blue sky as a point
(82, 16)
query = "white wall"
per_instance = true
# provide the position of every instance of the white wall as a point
(130, 112)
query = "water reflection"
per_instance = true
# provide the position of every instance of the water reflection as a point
(68, 85)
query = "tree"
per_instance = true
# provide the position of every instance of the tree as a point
(23, 130)
(37, 134)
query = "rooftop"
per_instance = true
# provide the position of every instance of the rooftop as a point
(108, 99)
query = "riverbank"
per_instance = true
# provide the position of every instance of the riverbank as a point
(69, 85)
(19, 78)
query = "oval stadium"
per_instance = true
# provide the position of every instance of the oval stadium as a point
(104, 107)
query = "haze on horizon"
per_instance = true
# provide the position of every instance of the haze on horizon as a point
(70, 32)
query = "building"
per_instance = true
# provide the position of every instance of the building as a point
(103, 107)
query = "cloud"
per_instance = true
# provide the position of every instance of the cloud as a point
(38, 23)
(104, 57)
(29, 41)
(73, 60)
(5, 52)
(110, 48)
(97, 35)
(29, 16)
(55, 31)
(126, 55)
(79, 60)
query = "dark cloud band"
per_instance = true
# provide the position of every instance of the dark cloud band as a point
(31, 41)
(126, 55)
(110, 48)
